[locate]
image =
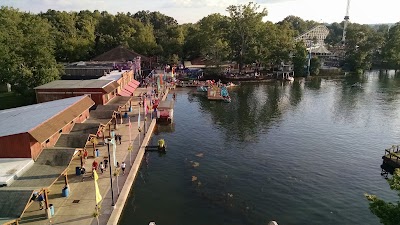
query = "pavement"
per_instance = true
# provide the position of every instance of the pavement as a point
(79, 207)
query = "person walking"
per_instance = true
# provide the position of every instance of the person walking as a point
(101, 167)
(105, 163)
(94, 166)
(120, 138)
(123, 166)
(40, 199)
(85, 154)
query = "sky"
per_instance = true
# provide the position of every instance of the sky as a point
(190, 11)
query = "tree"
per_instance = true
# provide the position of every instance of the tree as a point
(335, 34)
(245, 24)
(212, 36)
(315, 64)
(300, 59)
(299, 25)
(27, 48)
(362, 42)
(391, 49)
(282, 44)
(387, 212)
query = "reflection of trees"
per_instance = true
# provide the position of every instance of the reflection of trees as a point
(253, 109)
(314, 83)
(347, 99)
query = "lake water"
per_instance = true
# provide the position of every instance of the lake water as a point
(299, 153)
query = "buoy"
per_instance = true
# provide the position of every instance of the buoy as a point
(272, 223)
(161, 143)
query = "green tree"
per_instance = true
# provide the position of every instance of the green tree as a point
(28, 50)
(300, 59)
(282, 44)
(387, 212)
(315, 64)
(212, 36)
(299, 25)
(245, 25)
(391, 49)
(362, 42)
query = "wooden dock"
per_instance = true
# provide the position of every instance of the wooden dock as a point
(391, 160)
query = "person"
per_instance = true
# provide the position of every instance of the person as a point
(123, 166)
(102, 167)
(94, 166)
(83, 171)
(85, 154)
(105, 163)
(120, 138)
(40, 199)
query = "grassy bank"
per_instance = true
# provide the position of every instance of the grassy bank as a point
(11, 100)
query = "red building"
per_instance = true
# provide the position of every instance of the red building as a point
(26, 131)
(101, 91)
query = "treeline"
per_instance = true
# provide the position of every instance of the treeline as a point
(32, 45)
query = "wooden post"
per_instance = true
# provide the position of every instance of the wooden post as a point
(46, 202)
(66, 178)
(81, 153)
(94, 149)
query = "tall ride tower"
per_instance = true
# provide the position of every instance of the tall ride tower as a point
(345, 22)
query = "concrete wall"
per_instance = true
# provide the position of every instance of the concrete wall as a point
(15, 146)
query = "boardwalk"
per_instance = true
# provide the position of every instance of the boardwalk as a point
(79, 206)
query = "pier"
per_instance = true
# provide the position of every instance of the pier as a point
(78, 205)
(391, 160)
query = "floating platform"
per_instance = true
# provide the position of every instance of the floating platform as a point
(391, 160)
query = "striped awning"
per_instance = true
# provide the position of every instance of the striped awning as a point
(129, 89)
(134, 83)
(123, 92)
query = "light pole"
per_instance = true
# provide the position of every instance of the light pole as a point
(309, 60)
(109, 164)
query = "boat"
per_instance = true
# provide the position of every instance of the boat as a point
(231, 84)
(218, 93)
(202, 88)
(165, 111)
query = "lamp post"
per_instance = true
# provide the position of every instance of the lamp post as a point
(109, 164)
(309, 60)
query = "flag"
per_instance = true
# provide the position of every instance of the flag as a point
(114, 143)
(96, 187)
(145, 107)
(138, 120)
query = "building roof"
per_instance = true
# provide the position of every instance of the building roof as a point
(119, 54)
(51, 163)
(13, 203)
(113, 75)
(319, 49)
(106, 85)
(44, 119)
(168, 104)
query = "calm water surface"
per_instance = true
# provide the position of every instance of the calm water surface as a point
(298, 153)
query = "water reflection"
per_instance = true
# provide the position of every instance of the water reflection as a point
(253, 108)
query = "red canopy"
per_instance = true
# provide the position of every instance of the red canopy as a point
(134, 84)
(124, 93)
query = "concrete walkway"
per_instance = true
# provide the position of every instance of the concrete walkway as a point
(79, 206)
